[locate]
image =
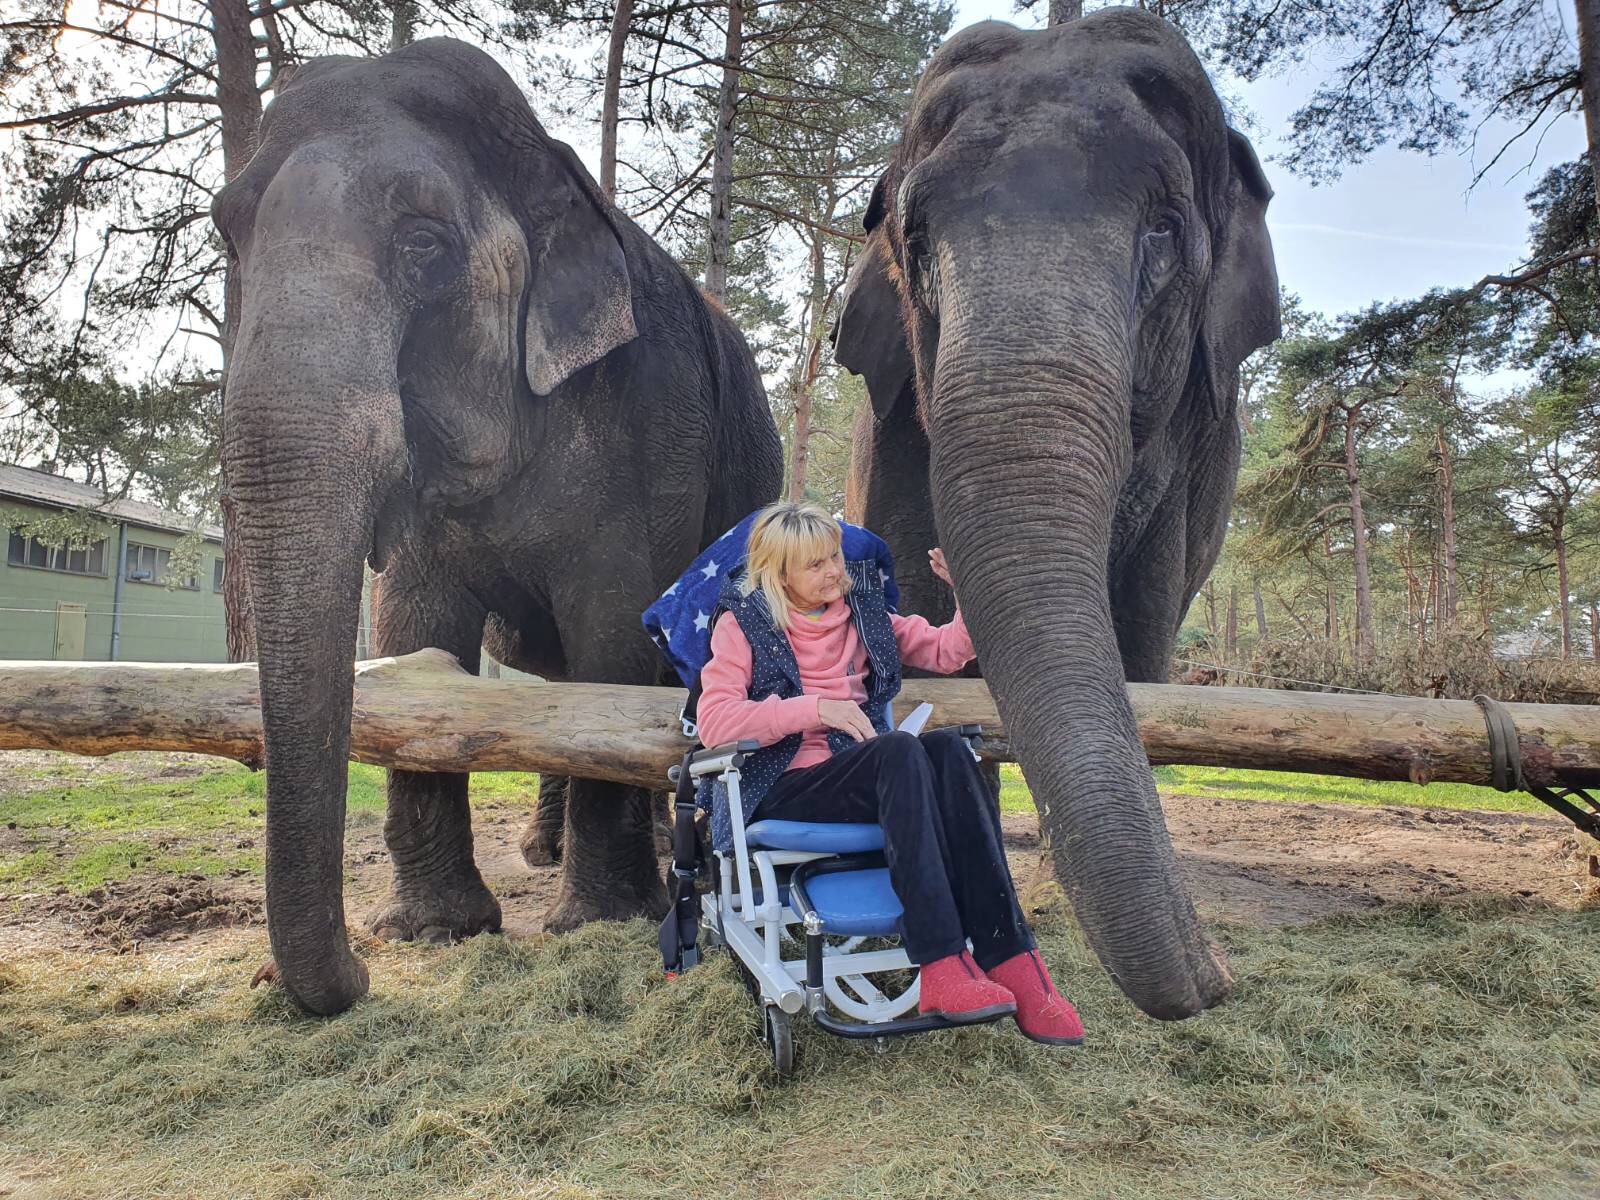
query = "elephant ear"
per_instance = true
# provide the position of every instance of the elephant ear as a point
(1241, 306)
(579, 298)
(870, 337)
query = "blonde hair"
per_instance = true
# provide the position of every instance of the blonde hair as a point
(786, 535)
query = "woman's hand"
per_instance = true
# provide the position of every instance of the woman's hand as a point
(942, 569)
(847, 717)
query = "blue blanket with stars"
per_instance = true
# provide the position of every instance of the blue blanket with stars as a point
(679, 623)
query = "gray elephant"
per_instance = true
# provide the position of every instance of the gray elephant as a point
(457, 361)
(1075, 243)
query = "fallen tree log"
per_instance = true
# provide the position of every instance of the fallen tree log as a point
(422, 712)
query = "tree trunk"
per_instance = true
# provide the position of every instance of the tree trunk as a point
(1358, 541)
(1430, 624)
(1447, 529)
(1589, 73)
(402, 23)
(799, 459)
(722, 157)
(240, 103)
(1330, 624)
(1594, 632)
(806, 377)
(1261, 611)
(423, 712)
(1560, 531)
(1211, 610)
(1231, 634)
(621, 21)
(1062, 11)
(1413, 590)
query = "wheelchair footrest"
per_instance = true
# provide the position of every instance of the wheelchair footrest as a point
(863, 1030)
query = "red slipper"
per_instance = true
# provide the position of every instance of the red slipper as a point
(1043, 1014)
(954, 988)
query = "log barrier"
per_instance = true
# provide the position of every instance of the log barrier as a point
(422, 712)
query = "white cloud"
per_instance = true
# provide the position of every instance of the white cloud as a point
(1406, 239)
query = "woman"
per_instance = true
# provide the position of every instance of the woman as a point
(805, 661)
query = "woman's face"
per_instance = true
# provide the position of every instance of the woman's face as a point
(815, 583)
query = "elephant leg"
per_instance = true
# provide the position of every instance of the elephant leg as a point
(1147, 595)
(541, 840)
(609, 869)
(437, 893)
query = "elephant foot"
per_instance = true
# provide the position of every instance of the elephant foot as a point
(541, 844)
(437, 912)
(619, 903)
(543, 839)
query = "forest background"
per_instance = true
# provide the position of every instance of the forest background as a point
(1419, 509)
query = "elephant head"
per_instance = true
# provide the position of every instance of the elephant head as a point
(1068, 259)
(417, 262)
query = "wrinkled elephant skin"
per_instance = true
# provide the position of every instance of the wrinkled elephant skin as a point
(1067, 260)
(458, 362)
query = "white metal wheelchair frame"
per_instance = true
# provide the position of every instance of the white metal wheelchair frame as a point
(755, 931)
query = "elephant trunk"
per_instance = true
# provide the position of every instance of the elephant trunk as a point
(1027, 459)
(311, 441)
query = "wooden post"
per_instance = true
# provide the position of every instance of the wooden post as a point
(422, 712)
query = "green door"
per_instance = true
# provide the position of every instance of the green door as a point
(72, 623)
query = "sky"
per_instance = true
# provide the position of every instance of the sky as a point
(1395, 225)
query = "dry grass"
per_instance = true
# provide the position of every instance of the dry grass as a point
(1458, 667)
(1421, 1051)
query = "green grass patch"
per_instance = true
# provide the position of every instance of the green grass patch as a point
(161, 814)
(1014, 794)
(1235, 784)
(1439, 1051)
(1225, 783)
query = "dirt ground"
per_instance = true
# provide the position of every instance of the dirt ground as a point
(1250, 862)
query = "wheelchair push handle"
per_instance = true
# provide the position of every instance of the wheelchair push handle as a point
(714, 760)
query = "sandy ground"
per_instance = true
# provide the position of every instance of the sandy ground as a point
(1251, 862)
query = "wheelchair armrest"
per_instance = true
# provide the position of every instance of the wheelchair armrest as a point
(715, 760)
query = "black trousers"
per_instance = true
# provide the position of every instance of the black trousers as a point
(941, 837)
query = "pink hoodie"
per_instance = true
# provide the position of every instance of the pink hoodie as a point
(833, 666)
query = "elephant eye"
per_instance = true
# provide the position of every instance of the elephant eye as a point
(924, 273)
(1158, 251)
(426, 257)
(421, 242)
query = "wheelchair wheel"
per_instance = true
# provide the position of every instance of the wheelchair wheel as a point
(778, 1034)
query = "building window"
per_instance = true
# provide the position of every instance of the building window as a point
(216, 574)
(30, 552)
(148, 564)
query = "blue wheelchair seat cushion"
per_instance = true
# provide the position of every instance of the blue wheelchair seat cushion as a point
(815, 837)
(856, 903)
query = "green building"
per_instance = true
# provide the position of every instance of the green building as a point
(57, 602)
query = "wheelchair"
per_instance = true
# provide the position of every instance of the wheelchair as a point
(804, 908)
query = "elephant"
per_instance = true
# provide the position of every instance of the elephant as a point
(1066, 261)
(457, 361)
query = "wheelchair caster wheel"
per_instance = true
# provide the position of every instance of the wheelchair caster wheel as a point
(778, 1034)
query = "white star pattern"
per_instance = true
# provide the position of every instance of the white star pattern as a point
(710, 569)
(702, 620)
(673, 590)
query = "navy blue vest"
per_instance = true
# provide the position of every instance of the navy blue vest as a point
(774, 672)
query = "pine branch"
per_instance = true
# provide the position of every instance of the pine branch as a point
(83, 112)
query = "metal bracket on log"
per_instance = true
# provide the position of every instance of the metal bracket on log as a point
(1505, 757)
